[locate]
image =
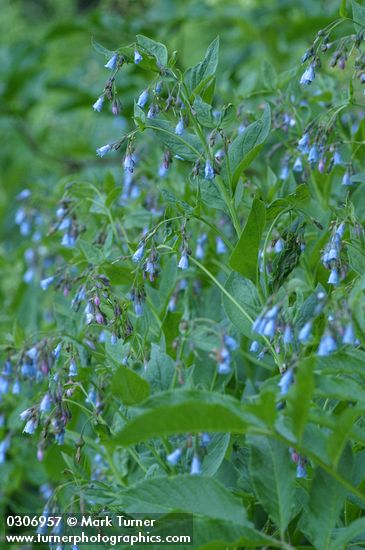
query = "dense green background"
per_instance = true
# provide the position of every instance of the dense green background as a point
(51, 76)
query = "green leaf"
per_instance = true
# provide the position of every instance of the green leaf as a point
(204, 113)
(343, 10)
(300, 396)
(269, 75)
(353, 532)
(358, 15)
(244, 257)
(197, 77)
(246, 146)
(273, 478)
(154, 49)
(321, 514)
(100, 49)
(92, 253)
(187, 146)
(210, 194)
(243, 305)
(183, 493)
(139, 116)
(129, 386)
(160, 370)
(216, 451)
(356, 257)
(183, 411)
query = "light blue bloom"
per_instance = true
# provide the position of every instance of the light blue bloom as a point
(196, 466)
(98, 105)
(184, 261)
(208, 170)
(303, 144)
(286, 381)
(313, 155)
(30, 427)
(143, 98)
(179, 128)
(45, 283)
(308, 76)
(46, 403)
(112, 63)
(298, 166)
(327, 345)
(137, 57)
(220, 247)
(305, 332)
(346, 180)
(138, 255)
(349, 335)
(334, 277)
(174, 457)
(101, 151)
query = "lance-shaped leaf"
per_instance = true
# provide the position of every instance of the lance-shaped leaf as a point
(244, 257)
(273, 477)
(246, 147)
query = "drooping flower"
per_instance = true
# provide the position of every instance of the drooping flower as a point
(298, 166)
(286, 381)
(179, 128)
(303, 144)
(349, 334)
(138, 255)
(101, 151)
(98, 105)
(174, 457)
(112, 63)
(196, 466)
(143, 98)
(45, 283)
(346, 180)
(308, 76)
(208, 170)
(184, 261)
(327, 344)
(137, 57)
(305, 332)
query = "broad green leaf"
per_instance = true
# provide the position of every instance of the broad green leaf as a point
(204, 113)
(269, 75)
(299, 199)
(341, 434)
(139, 116)
(300, 396)
(199, 495)
(327, 497)
(100, 49)
(198, 76)
(349, 362)
(183, 411)
(353, 532)
(242, 305)
(153, 48)
(210, 194)
(358, 15)
(273, 478)
(356, 257)
(92, 253)
(129, 387)
(187, 146)
(343, 9)
(246, 147)
(160, 370)
(245, 255)
(216, 451)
